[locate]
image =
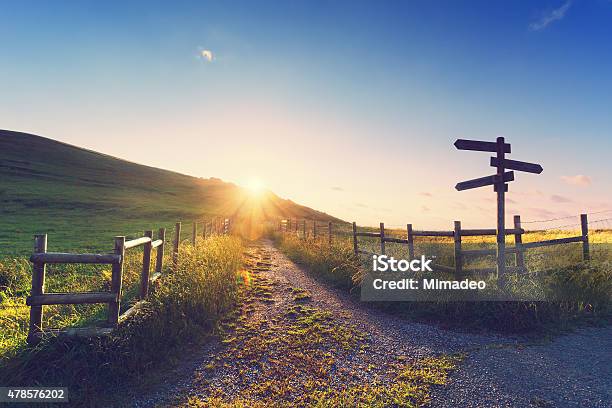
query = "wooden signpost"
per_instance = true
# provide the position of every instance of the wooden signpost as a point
(498, 180)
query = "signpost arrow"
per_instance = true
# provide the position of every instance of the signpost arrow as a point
(500, 148)
(477, 145)
(517, 165)
(485, 181)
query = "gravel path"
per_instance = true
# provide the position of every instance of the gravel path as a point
(356, 344)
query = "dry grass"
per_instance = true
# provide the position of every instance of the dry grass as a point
(580, 290)
(183, 306)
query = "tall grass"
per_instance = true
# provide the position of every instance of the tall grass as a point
(582, 290)
(336, 264)
(184, 305)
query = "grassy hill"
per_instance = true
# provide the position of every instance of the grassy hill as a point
(82, 198)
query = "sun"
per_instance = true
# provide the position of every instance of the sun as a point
(255, 185)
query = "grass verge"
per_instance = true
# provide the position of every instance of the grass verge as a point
(588, 284)
(183, 307)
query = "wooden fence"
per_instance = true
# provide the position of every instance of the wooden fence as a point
(38, 298)
(307, 228)
(461, 254)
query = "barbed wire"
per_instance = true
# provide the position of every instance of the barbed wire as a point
(559, 227)
(563, 218)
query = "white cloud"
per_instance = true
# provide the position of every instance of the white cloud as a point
(207, 55)
(577, 180)
(550, 17)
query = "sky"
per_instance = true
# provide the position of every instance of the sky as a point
(349, 107)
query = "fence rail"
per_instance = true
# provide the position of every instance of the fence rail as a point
(460, 254)
(40, 258)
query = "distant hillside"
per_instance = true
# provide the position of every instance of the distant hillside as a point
(82, 198)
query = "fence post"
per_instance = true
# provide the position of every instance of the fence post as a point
(329, 229)
(518, 243)
(355, 247)
(382, 238)
(146, 267)
(177, 242)
(204, 229)
(194, 233)
(458, 256)
(159, 264)
(304, 229)
(116, 277)
(38, 288)
(410, 239)
(314, 229)
(585, 237)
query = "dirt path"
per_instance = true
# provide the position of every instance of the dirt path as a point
(296, 341)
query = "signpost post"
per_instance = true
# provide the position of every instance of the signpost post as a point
(498, 180)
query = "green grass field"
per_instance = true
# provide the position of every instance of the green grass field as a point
(83, 198)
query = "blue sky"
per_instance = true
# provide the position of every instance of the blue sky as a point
(349, 107)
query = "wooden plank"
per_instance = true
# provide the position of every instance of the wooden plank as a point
(410, 239)
(116, 279)
(491, 271)
(584, 224)
(146, 267)
(396, 240)
(489, 231)
(156, 243)
(485, 251)
(38, 288)
(443, 268)
(71, 298)
(433, 233)
(480, 146)
(137, 242)
(177, 242)
(550, 242)
(500, 189)
(66, 258)
(368, 234)
(517, 165)
(457, 242)
(479, 252)
(76, 331)
(159, 262)
(131, 311)
(485, 181)
(518, 243)
(382, 238)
